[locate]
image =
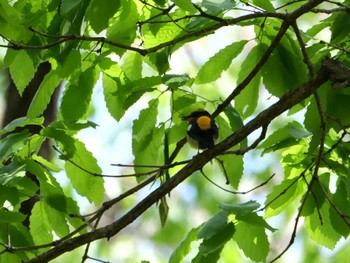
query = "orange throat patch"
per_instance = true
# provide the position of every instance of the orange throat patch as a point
(204, 123)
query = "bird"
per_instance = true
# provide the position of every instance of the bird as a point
(202, 130)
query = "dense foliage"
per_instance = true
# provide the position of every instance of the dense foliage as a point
(294, 53)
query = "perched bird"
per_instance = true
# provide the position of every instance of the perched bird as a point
(202, 130)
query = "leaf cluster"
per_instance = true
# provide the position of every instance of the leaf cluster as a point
(126, 47)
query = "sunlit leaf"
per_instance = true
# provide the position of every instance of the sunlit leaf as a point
(252, 240)
(43, 95)
(184, 247)
(81, 172)
(22, 70)
(218, 63)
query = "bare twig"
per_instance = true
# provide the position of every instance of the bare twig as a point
(237, 192)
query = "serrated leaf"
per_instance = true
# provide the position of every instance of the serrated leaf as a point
(72, 125)
(12, 143)
(21, 122)
(69, 5)
(340, 27)
(323, 234)
(22, 70)
(284, 137)
(57, 220)
(12, 173)
(78, 97)
(252, 240)
(46, 163)
(240, 209)
(99, 13)
(132, 66)
(232, 167)
(282, 72)
(214, 225)
(40, 227)
(281, 196)
(60, 136)
(10, 194)
(185, 5)
(264, 4)
(343, 206)
(215, 244)
(151, 151)
(43, 95)
(254, 219)
(184, 247)
(247, 100)
(143, 126)
(218, 63)
(69, 63)
(123, 26)
(174, 81)
(83, 181)
(10, 217)
(216, 8)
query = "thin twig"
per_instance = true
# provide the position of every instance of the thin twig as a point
(236, 192)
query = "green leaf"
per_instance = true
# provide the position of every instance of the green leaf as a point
(214, 225)
(12, 143)
(150, 151)
(62, 137)
(99, 13)
(254, 219)
(218, 63)
(72, 125)
(57, 220)
(78, 97)
(343, 205)
(163, 209)
(43, 95)
(22, 70)
(174, 81)
(282, 71)
(323, 234)
(40, 226)
(12, 174)
(340, 27)
(264, 4)
(132, 66)
(184, 248)
(81, 178)
(21, 122)
(70, 63)
(240, 209)
(185, 5)
(46, 163)
(217, 8)
(143, 126)
(234, 118)
(252, 240)
(247, 100)
(233, 168)
(69, 5)
(284, 137)
(212, 247)
(11, 24)
(10, 217)
(120, 96)
(123, 25)
(281, 197)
